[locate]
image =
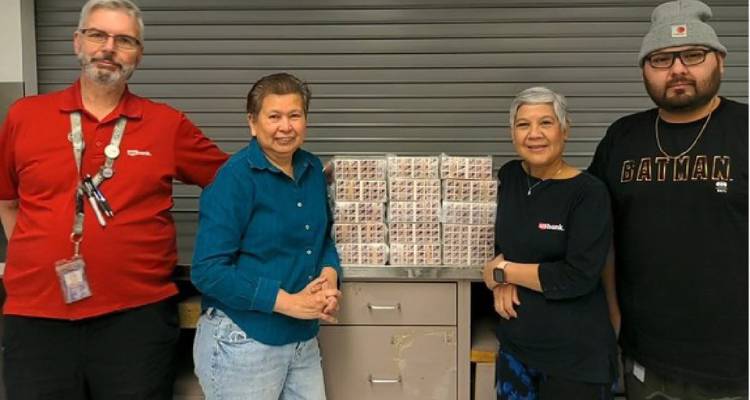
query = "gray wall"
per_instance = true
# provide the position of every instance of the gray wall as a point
(407, 76)
(10, 30)
(9, 92)
(18, 65)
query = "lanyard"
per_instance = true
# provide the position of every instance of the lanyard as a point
(106, 171)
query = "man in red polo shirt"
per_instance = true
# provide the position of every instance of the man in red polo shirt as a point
(85, 192)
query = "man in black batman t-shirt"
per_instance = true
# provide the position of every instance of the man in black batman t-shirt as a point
(677, 176)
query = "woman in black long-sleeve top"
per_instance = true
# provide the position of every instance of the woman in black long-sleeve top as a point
(553, 232)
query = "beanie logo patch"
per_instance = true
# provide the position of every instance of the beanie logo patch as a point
(679, 31)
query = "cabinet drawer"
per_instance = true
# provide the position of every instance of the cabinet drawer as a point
(398, 303)
(389, 362)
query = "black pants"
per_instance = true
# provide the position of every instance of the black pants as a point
(657, 386)
(125, 355)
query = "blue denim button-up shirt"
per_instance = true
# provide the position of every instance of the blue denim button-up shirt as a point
(261, 231)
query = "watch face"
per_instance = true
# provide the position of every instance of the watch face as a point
(499, 275)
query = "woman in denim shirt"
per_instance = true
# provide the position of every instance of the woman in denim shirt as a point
(264, 259)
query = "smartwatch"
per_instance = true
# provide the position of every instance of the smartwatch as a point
(498, 274)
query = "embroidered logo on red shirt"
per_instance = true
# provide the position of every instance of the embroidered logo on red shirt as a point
(135, 153)
(543, 226)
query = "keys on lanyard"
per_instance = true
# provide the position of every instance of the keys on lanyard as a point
(98, 202)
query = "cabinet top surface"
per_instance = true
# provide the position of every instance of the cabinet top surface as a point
(391, 273)
(427, 273)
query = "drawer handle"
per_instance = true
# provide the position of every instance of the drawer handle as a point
(374, 307)
(377, 381)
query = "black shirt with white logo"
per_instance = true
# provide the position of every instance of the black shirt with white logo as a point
(565, 226)
(681, 242)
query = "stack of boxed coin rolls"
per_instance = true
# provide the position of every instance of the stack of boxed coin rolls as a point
(414, 210)
(469, 209)
(359, 196)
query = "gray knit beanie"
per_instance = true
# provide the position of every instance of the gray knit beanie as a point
(680, 23)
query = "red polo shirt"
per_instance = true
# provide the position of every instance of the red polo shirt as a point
(130, 261)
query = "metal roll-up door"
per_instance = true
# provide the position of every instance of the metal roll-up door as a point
(406, 76)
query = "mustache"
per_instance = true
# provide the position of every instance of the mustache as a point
(680, 81)
(105, 57)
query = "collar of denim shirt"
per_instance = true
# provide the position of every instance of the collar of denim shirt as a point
(301, 160)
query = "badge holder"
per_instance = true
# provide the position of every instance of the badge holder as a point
(71, 274)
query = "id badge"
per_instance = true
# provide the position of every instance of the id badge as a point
(72, 276)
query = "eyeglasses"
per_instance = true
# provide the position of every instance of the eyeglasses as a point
(688, 57)
(122, 42)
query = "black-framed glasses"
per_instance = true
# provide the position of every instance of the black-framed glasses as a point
(688, 57)
(123, 42)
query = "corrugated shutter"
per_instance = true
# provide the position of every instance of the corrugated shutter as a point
(406, 76)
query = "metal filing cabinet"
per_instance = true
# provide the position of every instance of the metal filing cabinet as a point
(394, 340)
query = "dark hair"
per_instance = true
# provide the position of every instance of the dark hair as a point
(281, 83)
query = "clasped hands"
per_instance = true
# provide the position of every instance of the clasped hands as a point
(505, 295)
(325, 293)
(318, 300)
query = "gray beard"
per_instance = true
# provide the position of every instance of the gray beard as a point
(103, 77)
(106, 78)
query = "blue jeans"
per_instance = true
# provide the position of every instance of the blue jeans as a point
(232, 366)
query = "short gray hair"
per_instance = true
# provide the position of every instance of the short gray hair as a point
(126, 6)
(541, 95)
